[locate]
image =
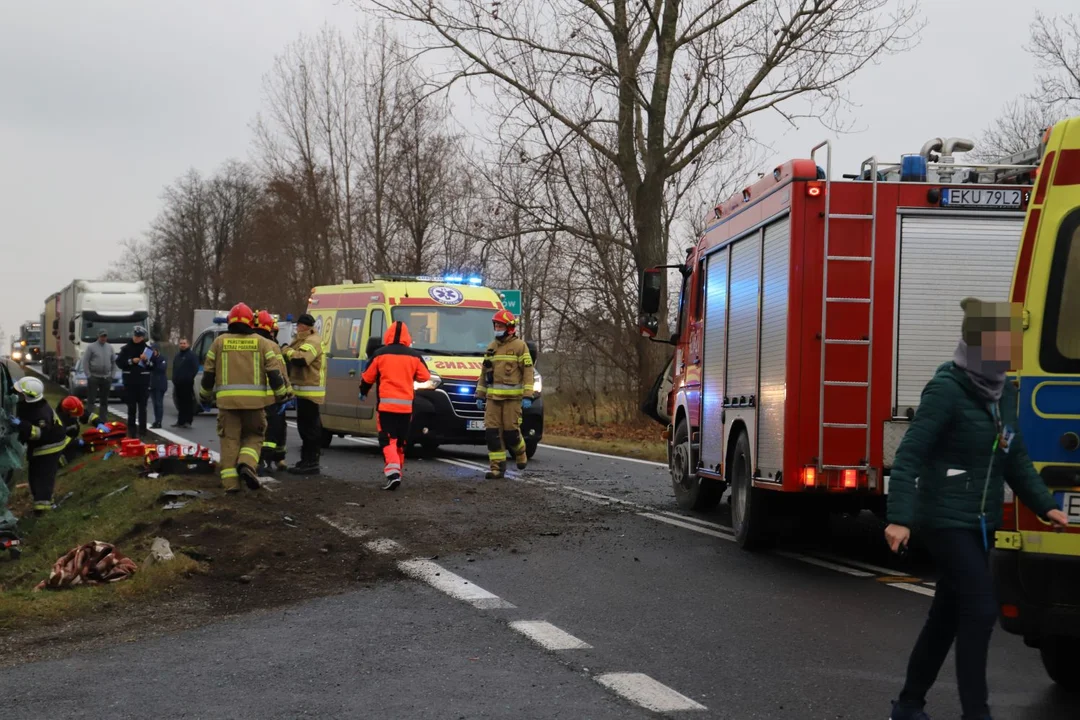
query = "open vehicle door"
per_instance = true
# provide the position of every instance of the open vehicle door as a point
(656, 402)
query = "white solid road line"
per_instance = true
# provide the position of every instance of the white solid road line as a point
(642, 690)
(698, 521)
(928, 592)
(859, 564)
(453, 585)
(688, 526)
(602, 455)
(347, 528)
(548, 636)
(824, 563)
(384, 546)
(606, 498)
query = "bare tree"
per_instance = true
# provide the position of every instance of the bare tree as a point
(1055, 43)
(649, 85)
(1019, 127)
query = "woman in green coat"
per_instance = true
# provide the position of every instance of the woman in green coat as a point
(948, 485)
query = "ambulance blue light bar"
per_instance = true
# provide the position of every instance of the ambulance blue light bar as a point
(474, 280)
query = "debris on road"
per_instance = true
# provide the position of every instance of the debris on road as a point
(160, 551)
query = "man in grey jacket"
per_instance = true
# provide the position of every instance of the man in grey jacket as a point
(99, 362)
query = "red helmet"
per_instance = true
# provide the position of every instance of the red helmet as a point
(505, 317)
(241, 313)
(265, 320)
(72, 406)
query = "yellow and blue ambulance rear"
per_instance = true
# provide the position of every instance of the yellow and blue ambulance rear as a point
(450, 323)
(1037, 570)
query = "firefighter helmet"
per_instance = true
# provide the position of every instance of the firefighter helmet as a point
(73, 406)
(30, 388)
(264, 320)
(241, 313)
(505, 317)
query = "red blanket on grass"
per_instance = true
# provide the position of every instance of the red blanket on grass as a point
(89, 564)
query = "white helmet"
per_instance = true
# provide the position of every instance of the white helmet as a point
(31, 388)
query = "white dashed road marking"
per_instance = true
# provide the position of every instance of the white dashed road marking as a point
(348, 528)
(383, 546)
(688, 526)
(824, 563)
(928, 592)
(453, 585)
(548, 636)
(642, 690)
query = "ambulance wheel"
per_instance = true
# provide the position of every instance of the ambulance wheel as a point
(1062, 662)
(749, 515)
(326, 438)
(691, 492)
(530, 448)
(429, 447)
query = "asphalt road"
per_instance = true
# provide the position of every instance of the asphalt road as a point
(655, 611)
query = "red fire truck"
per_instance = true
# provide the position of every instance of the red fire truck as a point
(812, 312)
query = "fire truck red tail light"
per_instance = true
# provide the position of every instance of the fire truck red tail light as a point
(809, 477)
(851, 479)
(1010, 611)
(815, 189)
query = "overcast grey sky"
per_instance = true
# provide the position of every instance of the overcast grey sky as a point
(104, 102)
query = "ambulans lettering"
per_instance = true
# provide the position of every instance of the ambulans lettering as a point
(457, 365)
(241, 344)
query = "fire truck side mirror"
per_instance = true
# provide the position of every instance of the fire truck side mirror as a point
(648, 324)
(651, 285)
(71, 337)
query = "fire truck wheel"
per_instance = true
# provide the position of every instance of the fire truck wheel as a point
(749, 516)
(1062, 663)
(692, 493)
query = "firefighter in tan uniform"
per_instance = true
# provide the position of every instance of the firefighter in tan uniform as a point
(273, 447)
(506, 384)
(238, 369)
(307, 373)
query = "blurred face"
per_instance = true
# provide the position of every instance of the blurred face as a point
(103, 337)
(1002, 345)
(304, 328)
(183, 344)
(500, 329)
(139, 338)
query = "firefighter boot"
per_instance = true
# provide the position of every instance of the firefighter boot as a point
(497, 471)
(516, 443)
(251, 478)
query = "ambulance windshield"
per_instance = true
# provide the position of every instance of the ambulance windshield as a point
(448, 330)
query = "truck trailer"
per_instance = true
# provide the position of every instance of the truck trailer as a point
(812, 312)
(83, 309)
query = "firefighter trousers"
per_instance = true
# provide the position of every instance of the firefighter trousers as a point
(273, 447)
(393, 438)
(41, 474)
(502, 428)
(241, 433)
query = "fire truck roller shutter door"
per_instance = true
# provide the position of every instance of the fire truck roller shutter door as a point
(742, 345)
(943, 259)
(714, 359)
(774, 322)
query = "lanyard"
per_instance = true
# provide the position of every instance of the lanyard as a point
(995, 411)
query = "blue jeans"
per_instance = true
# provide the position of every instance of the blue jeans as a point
(964, 610)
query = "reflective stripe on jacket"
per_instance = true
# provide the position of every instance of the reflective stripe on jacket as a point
(242, 370)
(507, 372)
(307, 366)
(40, 430)
(395, 367)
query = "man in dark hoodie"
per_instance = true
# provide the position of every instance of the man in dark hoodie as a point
(185, 368)
(134, 361)
(947, 484)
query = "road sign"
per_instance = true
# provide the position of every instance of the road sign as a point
(511, 300)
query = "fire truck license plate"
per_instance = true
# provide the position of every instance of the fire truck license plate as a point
(474, 425)
(1070, 505)
(976, 197)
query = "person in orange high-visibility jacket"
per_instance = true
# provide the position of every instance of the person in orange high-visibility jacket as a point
(394, 367)
(239, 368)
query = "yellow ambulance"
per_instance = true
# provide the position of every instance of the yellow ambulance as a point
(1037, 570)
(450, 322)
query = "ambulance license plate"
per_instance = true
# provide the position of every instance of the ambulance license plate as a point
(975, 197)
(1070, 505)
(479, 425)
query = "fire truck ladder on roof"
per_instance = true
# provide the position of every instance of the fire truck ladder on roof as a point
(867, 261)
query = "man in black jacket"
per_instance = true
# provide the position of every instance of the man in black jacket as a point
(185, 368)
(134, 362)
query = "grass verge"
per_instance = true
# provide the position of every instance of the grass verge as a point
(621, 440)
(127, 519)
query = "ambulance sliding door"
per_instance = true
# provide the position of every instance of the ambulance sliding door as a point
(343, 369)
